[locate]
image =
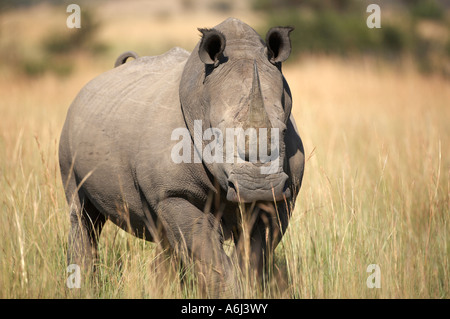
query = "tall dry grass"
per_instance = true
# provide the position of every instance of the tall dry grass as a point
(376, 190)
(376, 186)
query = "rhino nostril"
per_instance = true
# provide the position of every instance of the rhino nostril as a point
(231, 185)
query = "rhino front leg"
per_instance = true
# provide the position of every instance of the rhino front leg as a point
(266, 228)
(198, 238)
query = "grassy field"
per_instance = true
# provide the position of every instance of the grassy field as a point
(376, 188)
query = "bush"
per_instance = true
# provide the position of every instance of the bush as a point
(57, 48)
(338, 32)
(35, 66)
(339, 27)
(75, 39)
(393, 41)
(427, 9)
(317, 5)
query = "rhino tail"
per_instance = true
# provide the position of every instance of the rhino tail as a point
(124, 57)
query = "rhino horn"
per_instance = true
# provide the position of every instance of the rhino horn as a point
(257, 117)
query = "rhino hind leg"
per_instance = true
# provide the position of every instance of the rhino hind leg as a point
(86, 224)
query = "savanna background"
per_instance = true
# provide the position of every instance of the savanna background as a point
(372, 107)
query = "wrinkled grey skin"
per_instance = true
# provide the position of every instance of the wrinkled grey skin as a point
(115, 153)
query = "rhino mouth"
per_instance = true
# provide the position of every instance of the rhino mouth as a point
(268, 188)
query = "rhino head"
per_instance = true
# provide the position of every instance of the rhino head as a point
(233, 82)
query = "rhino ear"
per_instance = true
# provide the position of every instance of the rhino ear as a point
(278, 44)
(211, 46)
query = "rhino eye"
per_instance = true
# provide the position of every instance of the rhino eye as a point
(211, 46)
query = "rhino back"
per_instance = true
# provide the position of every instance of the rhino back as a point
(119, 127)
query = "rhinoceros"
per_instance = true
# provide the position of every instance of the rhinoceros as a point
(122, 141)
